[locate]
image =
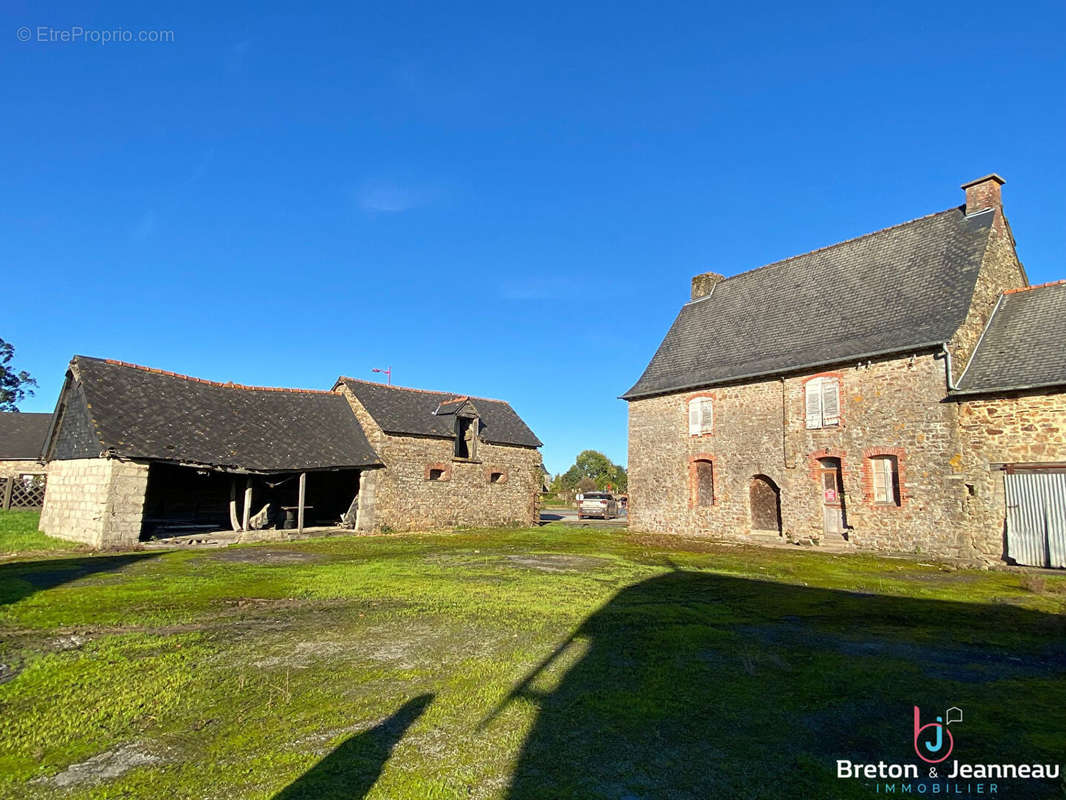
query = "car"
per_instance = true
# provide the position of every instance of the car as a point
(597, 504)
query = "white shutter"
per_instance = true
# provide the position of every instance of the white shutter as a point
(830, 401)
(694, 417)
(814, 403)
(706, 415)
(880, 468)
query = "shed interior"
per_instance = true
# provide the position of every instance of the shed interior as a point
(182, 499)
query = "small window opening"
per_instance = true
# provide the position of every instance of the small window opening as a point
(466, 437)
(971, 490)
(436, 474)
(495, 477)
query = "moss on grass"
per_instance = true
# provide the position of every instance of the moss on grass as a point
(556, 663)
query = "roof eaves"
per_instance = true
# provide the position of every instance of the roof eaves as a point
(1016, 388)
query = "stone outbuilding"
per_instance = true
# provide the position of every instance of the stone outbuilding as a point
(21, 470)
(852, 397)
(449, 459)
(135, 452)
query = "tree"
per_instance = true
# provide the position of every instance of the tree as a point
(14, 386)
(591, 470)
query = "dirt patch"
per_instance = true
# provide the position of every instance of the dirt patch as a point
(105, 766)
(9, 669)
(545, 562)
(557, 562)
(264, 555)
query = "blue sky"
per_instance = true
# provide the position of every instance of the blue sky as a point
(499, 201)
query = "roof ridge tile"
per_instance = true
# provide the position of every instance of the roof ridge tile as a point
(424, 391)
(1018, 289)
(192, 379)
(827, 247)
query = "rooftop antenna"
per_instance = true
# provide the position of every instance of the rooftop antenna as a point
(387, 373)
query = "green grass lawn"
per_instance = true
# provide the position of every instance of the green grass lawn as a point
(549, 663)
(19, 534)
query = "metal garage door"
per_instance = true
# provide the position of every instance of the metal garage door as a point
(1036, 517)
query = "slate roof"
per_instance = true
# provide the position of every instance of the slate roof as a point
(1024, 343)
(401, 410)
(897, 289)
(144, 413)
(22, 435)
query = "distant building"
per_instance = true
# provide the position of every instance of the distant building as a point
(21, 470)
(137, 452)
(899, 391)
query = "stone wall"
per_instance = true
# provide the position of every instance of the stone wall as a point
(21, 467)
(402, 497)
(1000, 270)
(405, 497)
(891, 406)
(96, 501)
(1011, 428)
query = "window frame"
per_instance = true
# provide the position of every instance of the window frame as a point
(444, 470)
(816, 386)
(873, 457)
(704, 404)
(694, 481)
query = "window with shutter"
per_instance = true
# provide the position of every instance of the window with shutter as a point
(885, 473)
(822, 402)
(706, 415)
(814, 403)
(700, 415)
(830, 402)
(694, 416)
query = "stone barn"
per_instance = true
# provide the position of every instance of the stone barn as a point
(21, 469)
(449, 460)
(134, 453)
(882, 393)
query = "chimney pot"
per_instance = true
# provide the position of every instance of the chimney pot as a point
(983, 193)
(703, 285)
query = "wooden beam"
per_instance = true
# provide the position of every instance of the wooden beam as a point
(233, 521)
(247, 502)
(300, 503)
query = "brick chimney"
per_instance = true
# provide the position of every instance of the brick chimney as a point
(983, 193)
(703, 285)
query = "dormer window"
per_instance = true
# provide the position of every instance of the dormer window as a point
(466, 437)
(700, 416)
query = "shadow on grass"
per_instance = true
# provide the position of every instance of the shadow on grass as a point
(20, 579)
(694, 685)
(352, 769)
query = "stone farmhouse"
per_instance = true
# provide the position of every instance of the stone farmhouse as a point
(21, 473)
(134, 452)
(904, 391)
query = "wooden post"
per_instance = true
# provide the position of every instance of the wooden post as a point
(9, 482)
(247, 502)
(233, 521)
(300, 503)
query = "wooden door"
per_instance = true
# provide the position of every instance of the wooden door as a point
(765, 505)
(833, 505)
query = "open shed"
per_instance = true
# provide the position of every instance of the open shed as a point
(135, 452)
